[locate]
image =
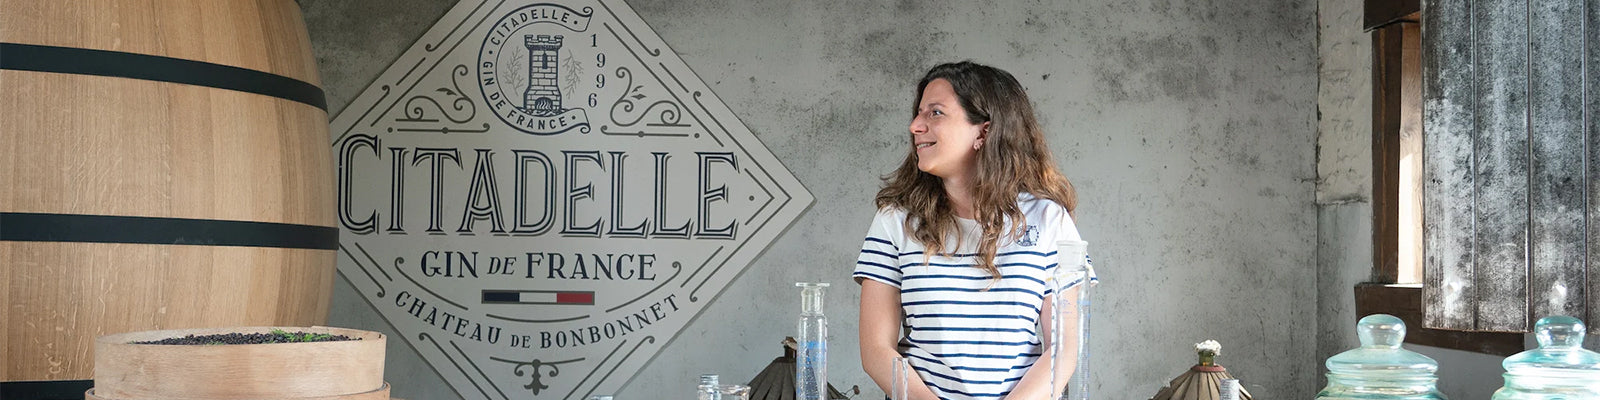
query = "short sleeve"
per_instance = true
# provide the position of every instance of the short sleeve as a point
(880, 251)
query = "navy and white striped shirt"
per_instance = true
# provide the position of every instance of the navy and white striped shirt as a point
(964, 341)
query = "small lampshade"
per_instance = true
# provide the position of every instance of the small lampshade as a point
(1199, 383)
(1203, 381)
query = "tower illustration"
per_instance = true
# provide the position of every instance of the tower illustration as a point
(543, 96)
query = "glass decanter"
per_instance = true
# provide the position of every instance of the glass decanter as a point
(1560, 369)
(1380, 369)
(1072, 269)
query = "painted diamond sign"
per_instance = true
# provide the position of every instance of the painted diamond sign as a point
(539, 196)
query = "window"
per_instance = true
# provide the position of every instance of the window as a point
(1397, 277)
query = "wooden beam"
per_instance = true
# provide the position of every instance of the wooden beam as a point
(1377, 13)
(1409, 248)
(1387, 43)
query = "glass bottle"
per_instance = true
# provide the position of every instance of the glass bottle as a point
(900, 379)
(1071, 256)
(1229, 390)
(811, 359)
(1559, 369)
(708, 388)
(733, 392)
(1085, 276)
(1380, 369)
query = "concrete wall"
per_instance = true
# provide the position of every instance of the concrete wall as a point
(1344, 173)
(1344, 104)
(1187, 126)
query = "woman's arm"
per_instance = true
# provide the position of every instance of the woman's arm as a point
(1035, 384)
(880, 334)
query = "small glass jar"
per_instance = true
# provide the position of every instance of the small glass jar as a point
(1380, 369)
(707, 390)
(1560, 369)
(733, 392)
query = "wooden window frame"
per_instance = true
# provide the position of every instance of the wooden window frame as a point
(1386, 20)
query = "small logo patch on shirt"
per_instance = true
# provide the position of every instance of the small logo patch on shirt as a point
(1030, 236)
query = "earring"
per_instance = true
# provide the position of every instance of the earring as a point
(977, 144)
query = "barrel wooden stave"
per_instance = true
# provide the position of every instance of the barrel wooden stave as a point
(263, 35)
(141, 287)
(130, 147)
(95, 145)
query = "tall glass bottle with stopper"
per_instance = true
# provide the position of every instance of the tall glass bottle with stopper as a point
(811, 359)
(1072, 269)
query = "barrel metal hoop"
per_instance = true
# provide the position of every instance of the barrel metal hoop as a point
(45, 390)
(79, 228)
(71, 60)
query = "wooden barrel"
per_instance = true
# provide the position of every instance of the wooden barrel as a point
(163, 165)
(317, 370)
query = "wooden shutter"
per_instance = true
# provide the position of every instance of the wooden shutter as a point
(1507, 145)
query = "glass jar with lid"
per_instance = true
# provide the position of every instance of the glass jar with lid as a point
(1560, 369)
(1380, 369)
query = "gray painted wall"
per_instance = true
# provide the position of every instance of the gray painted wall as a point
(1344, 172)
(1344, 103)
(1188, 128)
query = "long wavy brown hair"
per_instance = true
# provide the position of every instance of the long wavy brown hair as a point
(1013, 160)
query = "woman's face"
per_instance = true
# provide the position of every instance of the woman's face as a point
(941, 135)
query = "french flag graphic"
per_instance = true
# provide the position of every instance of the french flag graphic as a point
(554, 297)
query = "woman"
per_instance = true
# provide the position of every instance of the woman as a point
(978, 184)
